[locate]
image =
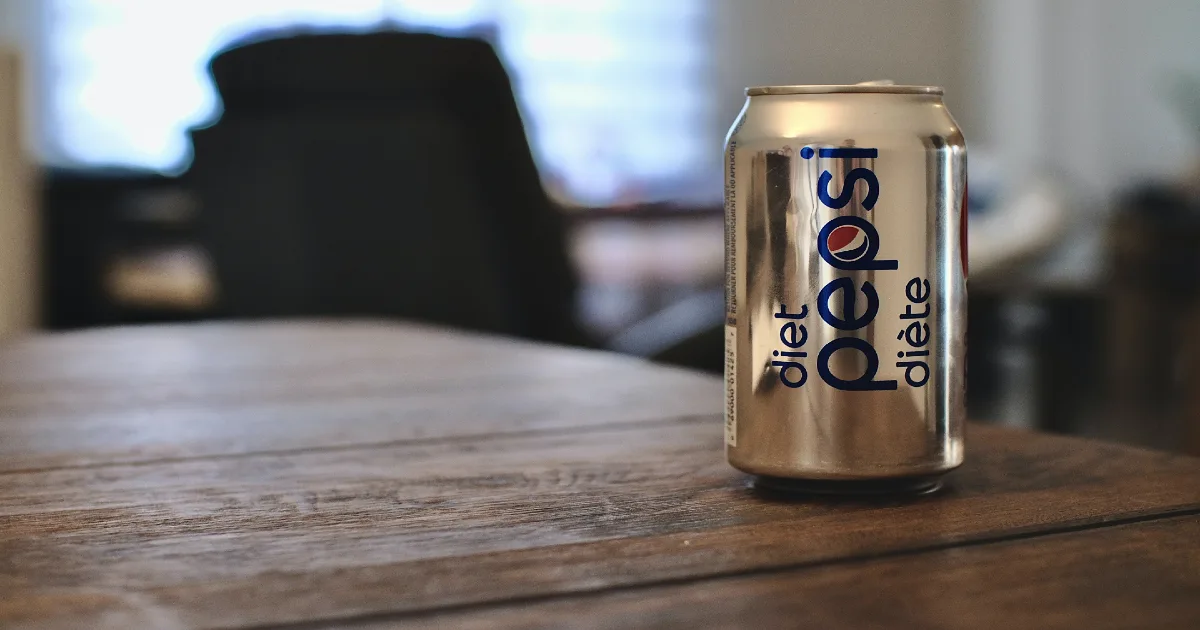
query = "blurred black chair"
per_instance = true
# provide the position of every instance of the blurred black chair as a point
(383, 175)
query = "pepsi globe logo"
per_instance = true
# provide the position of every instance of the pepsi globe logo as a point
(848, 243)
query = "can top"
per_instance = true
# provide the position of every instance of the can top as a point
(874, 87)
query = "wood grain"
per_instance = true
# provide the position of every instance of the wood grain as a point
(240, 475)
(151, 393)
(1144, 575)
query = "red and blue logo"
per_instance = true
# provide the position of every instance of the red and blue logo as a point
(848, 243)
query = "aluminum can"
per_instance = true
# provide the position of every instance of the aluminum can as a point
(845, 331)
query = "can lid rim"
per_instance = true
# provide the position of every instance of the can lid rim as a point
(780, 90)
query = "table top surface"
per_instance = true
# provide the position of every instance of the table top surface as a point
(376, 475)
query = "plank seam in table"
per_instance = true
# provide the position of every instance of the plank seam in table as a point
(370, 446)
(966, 543)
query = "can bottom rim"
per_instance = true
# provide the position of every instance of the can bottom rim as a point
(916, 485)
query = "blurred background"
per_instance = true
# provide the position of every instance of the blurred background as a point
(551, 169)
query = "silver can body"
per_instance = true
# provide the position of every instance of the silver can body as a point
(845, 284)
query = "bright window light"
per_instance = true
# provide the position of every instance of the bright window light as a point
(611, 89)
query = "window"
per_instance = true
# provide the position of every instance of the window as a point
(612, 90)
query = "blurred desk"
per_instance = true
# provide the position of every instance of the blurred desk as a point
(390, 476)
(635, 262)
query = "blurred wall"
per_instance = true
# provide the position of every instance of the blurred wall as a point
(763, 42)
(18, 221)
(19, 31)
(9, 30)
(1081, 90)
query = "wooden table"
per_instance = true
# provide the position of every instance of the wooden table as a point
(372, 475)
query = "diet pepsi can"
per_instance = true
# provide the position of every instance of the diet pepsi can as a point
(845, 331)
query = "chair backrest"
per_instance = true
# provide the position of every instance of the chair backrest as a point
(384, 174)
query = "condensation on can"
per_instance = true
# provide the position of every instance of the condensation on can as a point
(845, 287)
